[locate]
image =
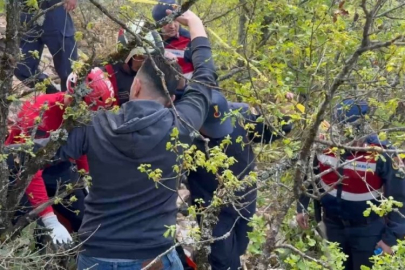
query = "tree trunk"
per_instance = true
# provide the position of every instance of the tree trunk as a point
(8, 61)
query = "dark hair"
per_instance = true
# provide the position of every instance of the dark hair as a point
(169, 70)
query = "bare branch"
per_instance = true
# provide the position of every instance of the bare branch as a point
(390, 10)
(230, 74)
(374, 149)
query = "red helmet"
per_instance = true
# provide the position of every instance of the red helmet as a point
(102, 91)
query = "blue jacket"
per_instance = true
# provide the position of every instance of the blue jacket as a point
(126, 212)
(55, 20)
(391, 178)
(203, 184)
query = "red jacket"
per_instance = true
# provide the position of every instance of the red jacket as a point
(180, 47)
(51, 120)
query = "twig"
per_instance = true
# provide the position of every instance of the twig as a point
(169, 18)
(302, 254)
(40, 13)
(390, 10)
(226, 235)
(231, 73)
(139, 39)
(375, 149)
(380, 45)
(224, 14)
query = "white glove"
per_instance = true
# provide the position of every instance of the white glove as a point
(59, 233)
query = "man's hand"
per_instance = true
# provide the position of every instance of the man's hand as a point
(193, 22)
(70, 5)
(302, 220)
(59, 233)
(187, 18)
(386, 249)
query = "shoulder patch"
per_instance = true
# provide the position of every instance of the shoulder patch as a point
(397, 163)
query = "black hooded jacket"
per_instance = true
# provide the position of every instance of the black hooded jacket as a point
(126, 212)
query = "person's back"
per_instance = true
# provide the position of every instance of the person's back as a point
(122, 200)
(126, 211)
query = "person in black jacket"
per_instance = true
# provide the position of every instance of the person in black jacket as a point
(225, 254)
(125, 215)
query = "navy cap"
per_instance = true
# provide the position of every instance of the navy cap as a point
(214, 126)
(350, 110)
(159, 10)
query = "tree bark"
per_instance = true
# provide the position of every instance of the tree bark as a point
(242, 24)
(8, 62)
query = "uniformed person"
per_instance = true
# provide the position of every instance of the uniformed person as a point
(367, 178)
(225, 254)
(56, 30)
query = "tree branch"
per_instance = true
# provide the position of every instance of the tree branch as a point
(33, 214)
(168, 19)
(302, 254)
(8, 61)
(374, 149)
(390, 10)
(226, 235)
(230, 74)
(40, 13)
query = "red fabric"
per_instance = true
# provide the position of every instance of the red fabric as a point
(181, 44)
(36, 193)
(11, 139)
(358, 179)
(82, 163)
(51, 120)
(113, 79)
(191, 263)
(121, 32)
